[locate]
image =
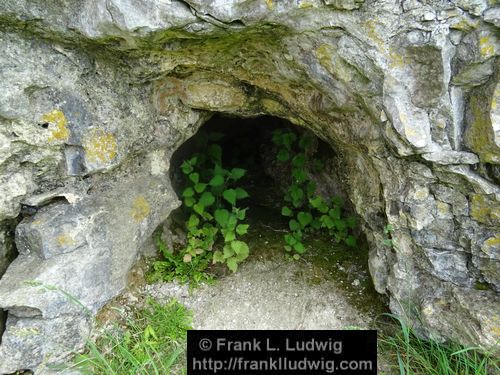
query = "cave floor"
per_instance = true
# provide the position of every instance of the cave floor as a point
(328, 288)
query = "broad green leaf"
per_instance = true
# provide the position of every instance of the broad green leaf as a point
(311, 188)
(207, 199)
(239, 247)
(294, 225)
(388, 228)
(296, 256)
(199, 208)
(296, 193)
(230, 196)
(200, 187)
(283, 155)
(241, 193)
(288, 139)
(195, 177)
(228, 251)
(350, 241)
(387, 242)
(240, 213)
(186, 167)
(193, 221)
(218, 257)
(189, 201)
(215, 152)
(232, 264)
(232, 221)
(237, 173)
(288, 248)
(229, 236)
(299, 175)
(289, 239)
(319, 204)
(316, 224)
(219, 170)
(286, 211)
(216, 180)
(221, 217)
(327, 222)
(242, 229)
(304, 218)
(188, 192)
(299, 247)
(337, 201)
(335, 213)
(340, 225)
(299, 160)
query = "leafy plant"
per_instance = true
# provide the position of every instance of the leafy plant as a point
(211, 199)
(174, 267)
(306, 210)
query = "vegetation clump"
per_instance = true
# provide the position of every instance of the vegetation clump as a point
(211, 201)
(306, 210)
(152, 341)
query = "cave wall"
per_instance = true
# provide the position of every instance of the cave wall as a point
(97, 95)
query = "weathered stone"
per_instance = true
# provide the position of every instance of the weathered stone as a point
(451, 157)
(492, 15)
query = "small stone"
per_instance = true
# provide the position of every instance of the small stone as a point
(356, 283)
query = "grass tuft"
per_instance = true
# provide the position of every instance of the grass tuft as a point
(153, 341)
(413, 355)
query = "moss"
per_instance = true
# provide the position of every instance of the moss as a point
(485, 209)
(479, 135)
(478, 285)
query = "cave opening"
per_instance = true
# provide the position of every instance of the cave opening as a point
(249, 143)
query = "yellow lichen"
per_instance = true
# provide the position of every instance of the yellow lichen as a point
(25, 331)
(396, 60)
(270, 4)
(486, 48)
(372, 33)
(99, 146)
(140, 208)
(56, 118)
(65, 240)
(305, 4)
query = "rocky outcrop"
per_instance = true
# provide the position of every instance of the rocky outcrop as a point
(98, 94)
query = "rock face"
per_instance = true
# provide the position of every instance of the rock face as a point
(96, 96)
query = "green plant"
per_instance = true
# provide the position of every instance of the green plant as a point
(413, 355)
(151, 342)
(388, 235)
(211, 200)
(306, 210)
(174, 267)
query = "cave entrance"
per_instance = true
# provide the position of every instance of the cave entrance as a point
(260, 146)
